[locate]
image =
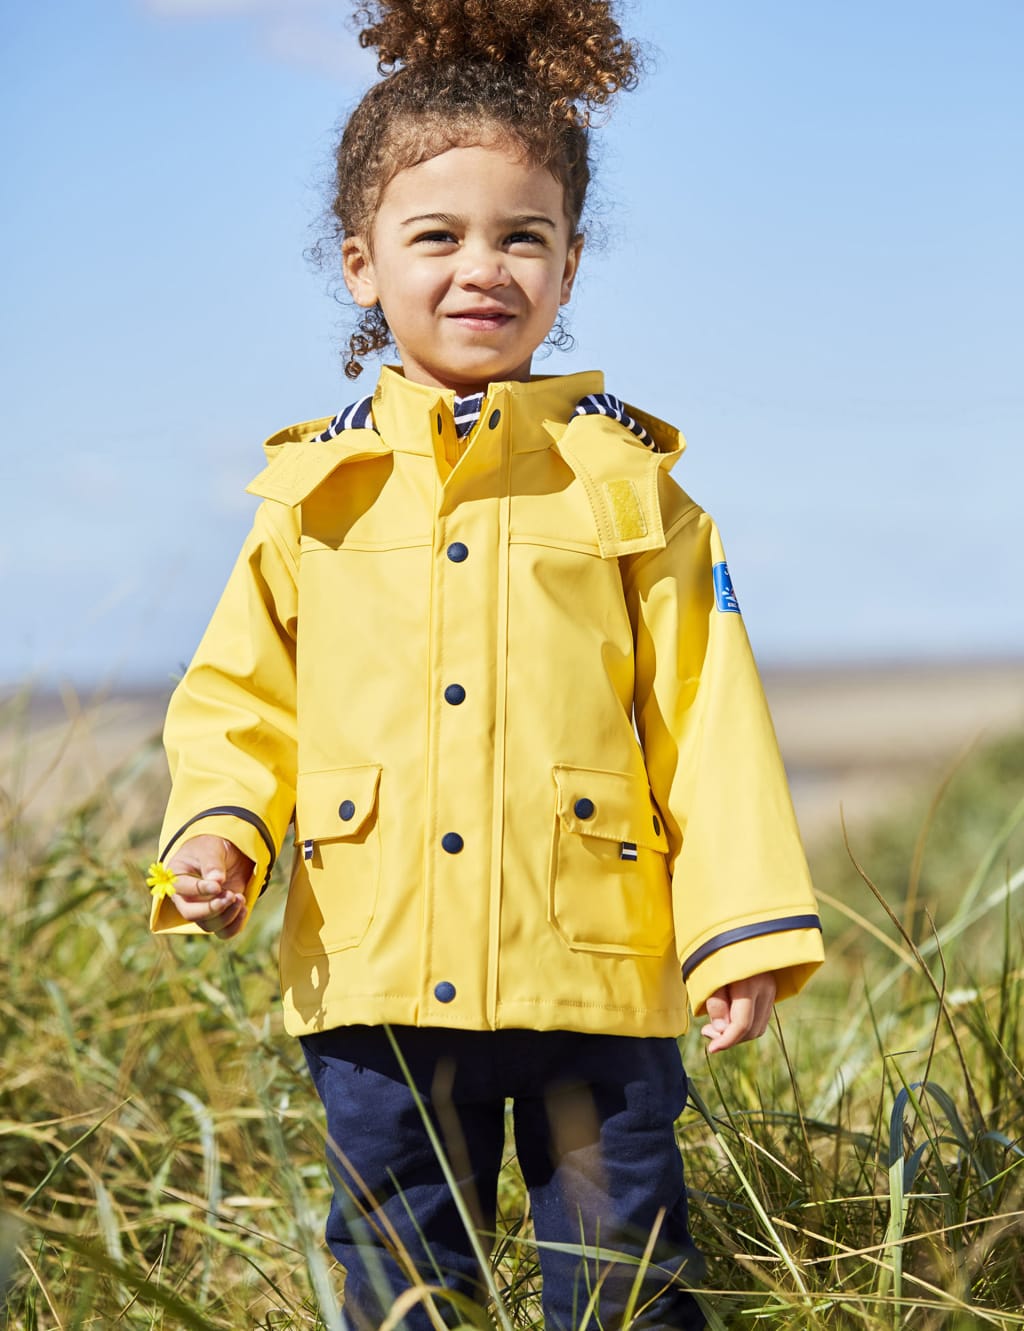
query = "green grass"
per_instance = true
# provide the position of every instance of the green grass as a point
(861, 1166)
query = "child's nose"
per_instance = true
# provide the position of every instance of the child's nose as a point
(483, 268)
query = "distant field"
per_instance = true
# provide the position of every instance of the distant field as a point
(858, 736)
(866, 737)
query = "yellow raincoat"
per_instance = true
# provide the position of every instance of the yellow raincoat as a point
(504, 689)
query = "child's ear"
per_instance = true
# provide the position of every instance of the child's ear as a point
(572, 265)
(357, 268)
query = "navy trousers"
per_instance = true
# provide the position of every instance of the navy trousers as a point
(593, 1117)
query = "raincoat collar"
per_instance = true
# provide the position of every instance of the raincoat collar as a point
(410, 416)
(617, 471)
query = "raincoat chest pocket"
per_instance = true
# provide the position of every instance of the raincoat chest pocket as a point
(609, 889)
(333, 893)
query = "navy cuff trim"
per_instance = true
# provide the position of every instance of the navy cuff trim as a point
(231, 811)
(744, 932)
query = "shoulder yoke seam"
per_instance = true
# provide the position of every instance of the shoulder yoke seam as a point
(277, 537)
(637, 562)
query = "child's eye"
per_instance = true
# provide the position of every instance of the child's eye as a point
(525, 238)
(435, 238)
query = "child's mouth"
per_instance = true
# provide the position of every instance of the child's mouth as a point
(482, 320)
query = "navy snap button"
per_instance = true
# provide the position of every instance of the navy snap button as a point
(457, 552)
(440, 427)
(657, 826)
(444, 992)
(495, 418)
(452, 843)
(455, 694)
(583, 808)
(346, 811)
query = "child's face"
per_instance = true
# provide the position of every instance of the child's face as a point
(470, 257)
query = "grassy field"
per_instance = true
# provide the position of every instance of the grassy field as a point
(862, 1166)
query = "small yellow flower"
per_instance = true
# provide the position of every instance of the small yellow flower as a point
(161, 881)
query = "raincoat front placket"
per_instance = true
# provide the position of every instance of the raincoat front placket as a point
(465, 741)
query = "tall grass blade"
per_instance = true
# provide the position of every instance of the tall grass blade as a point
(773, 1234)
(845, 1068)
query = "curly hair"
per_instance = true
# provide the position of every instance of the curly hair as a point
(463, 72)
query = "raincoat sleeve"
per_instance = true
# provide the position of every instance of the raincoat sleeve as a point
(230, 728)
(742, 896)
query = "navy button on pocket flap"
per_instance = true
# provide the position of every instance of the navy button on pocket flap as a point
(616, 806)
(335, 804)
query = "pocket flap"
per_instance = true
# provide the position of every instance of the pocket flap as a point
(614, 805)
(335, 804)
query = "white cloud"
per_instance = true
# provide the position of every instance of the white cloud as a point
(320, 47)
(311, 34)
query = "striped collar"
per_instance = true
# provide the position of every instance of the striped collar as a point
(359, 416)
(465, 412)
(412, 417)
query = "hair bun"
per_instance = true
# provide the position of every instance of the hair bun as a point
(573, 49)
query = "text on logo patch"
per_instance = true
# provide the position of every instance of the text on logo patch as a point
(725, 597)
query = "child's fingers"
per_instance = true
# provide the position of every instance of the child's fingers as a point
(210, 873)
(211, 866)
(737, 1026)
(718, 1010)
(762, 988)
(209, 912)
(739, 1012)
(230, 922)
(764, 1004)
(193, 885)
(201, 866)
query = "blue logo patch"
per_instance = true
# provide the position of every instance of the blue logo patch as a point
(725, 597)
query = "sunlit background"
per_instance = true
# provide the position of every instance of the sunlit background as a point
(808, 224)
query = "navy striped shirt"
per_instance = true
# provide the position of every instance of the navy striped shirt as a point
(359, 415)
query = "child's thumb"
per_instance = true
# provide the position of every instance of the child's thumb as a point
(213, 861)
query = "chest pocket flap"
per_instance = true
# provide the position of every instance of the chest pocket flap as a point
(615, 806)
(336, 804)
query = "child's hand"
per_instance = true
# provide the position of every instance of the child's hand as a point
(739, 1012)
(211, 875)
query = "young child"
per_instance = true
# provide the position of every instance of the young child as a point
(487, 654)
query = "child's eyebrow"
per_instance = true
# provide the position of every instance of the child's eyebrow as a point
(443, 219)
(532, 221)
(453, 220)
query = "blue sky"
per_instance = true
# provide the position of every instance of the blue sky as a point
(810, 259)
